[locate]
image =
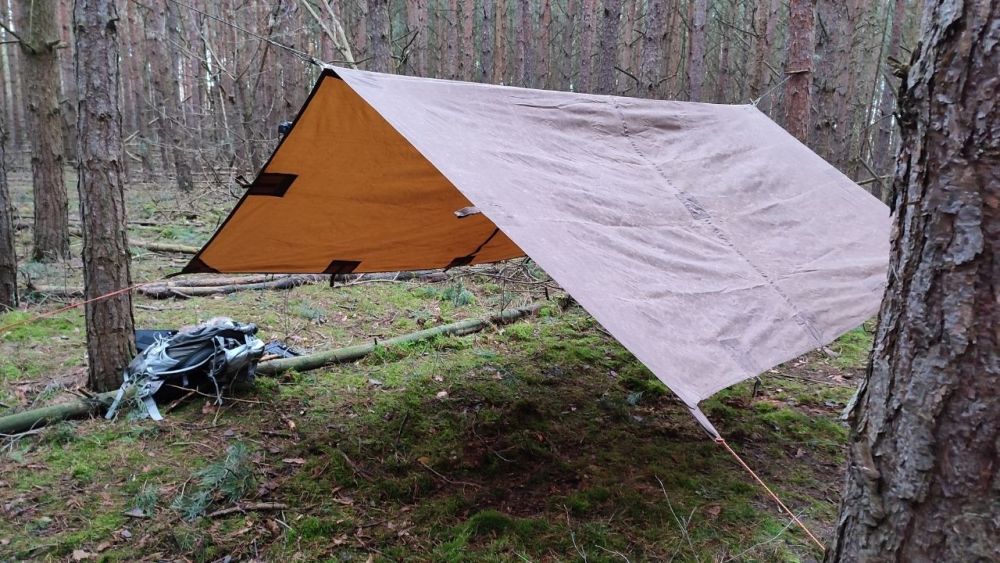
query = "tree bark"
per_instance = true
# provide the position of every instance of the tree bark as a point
(883, 150)
(39, 38)
(830, 132)
(611, 15)
(525, 31)
(500, 44)
(653, 36)
(8, 257)
(381, 40)
(587, 45)
(468, 61)
(416, 22)
(110, 327)
(544, 77)
(565, 54)
(696, 49)
(923, 475)
(486, 42)
(801, 22)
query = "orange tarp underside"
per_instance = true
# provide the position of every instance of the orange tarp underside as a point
(361, 196)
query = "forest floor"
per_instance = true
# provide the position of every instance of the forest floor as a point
(544, 440)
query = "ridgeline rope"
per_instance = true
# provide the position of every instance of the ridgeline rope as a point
(72, 306)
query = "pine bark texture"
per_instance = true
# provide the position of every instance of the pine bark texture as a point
(801, 23)
(923, 478)
(610, 16)
(39, 34)
(110, 327)
(696, 49)
(378, 30)
(8, 257)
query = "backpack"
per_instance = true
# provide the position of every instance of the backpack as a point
(214, 355)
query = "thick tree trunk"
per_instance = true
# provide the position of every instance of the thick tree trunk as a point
(611, 15)
(381, 40)
(696, 48)
(923, 471)
(801, 21)
(175, 109)
(8, 258)
(39, 34)
(110, 327)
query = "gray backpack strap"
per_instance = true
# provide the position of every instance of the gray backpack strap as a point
(118, 399)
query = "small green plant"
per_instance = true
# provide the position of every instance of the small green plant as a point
(146, 499)
(458, 295)
(227, 480)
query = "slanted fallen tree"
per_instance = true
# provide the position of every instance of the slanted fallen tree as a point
(36, 418)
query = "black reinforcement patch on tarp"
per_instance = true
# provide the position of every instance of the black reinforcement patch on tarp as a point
(272, 184)
(342, 267)
(198, 266)
(460, 261)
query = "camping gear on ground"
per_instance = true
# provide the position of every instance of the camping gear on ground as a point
(213, 355)
(705, 238)
(145, 337)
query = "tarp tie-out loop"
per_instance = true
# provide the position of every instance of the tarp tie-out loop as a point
(722, 442)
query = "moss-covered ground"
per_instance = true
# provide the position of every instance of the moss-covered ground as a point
(543, 440)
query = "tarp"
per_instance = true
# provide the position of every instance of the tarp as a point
(710, 242)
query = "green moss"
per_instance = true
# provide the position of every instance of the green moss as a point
(852, 348)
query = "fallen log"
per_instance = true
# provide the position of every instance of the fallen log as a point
(35, 418)
(56, 291)
(167, 290)
(212, 280)
(351, 353)
(164, 247)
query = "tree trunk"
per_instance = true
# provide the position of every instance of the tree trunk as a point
(500, 44)
(110, 327)
(175, 109)
(587, 45)
(696, 49)
(416, 22)
(381, 40)
(486, 42)
(565, 53)
(922, 472)
(830, 134)
(611, 15)
(882, 151)
(653, 36)
(544, 77)
(468, 49)
(39, 38)
(8, 257)
(801, 22)
(525, 72)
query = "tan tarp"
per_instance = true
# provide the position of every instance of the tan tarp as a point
(707, 240)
